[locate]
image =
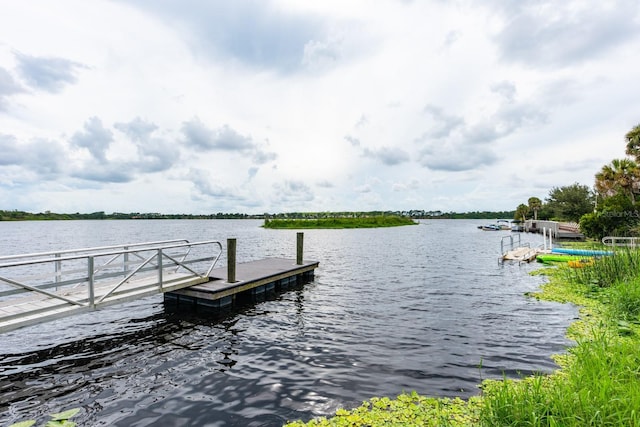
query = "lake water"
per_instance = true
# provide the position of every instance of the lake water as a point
(390, 310)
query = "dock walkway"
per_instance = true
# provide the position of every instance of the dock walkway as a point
(38, 308)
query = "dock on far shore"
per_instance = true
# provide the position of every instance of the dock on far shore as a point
(559, 230)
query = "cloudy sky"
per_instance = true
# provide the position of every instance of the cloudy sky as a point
(200, 106)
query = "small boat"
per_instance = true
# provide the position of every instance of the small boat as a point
(504, 224)
(549, 258)
(581, 263)
(490, 227)
(583, 252)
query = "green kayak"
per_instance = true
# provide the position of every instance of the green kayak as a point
(547, 258)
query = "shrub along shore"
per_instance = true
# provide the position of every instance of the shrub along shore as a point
(598, 383)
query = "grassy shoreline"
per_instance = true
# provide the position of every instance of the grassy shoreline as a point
(340, 222)
(597, 384)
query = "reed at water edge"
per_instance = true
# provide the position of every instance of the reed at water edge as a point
(599, 383)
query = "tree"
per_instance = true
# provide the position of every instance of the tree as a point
(569, 203)
(521, 212)
(615, 217)
(534, 205)
(633, 142)
(621, 175)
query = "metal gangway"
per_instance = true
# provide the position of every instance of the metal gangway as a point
(43, 286)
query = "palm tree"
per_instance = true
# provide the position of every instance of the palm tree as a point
(621, 175)
(534, 205)
(633, 142)
(521, 212)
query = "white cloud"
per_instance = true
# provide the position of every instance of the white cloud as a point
(47, 73)
(552, 34)
(283, 105)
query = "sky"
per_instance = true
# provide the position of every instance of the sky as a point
(206, 106)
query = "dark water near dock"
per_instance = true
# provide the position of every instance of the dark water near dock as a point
(390, 310)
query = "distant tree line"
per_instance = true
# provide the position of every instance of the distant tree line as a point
(416, 214)
(16, 215)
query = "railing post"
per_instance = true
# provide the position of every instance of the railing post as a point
(126, 261)
(299, 248)
(92, 295)
(231, 260)
(160, 269)
(58, 269)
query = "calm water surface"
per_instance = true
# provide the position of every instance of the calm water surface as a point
(390, 310)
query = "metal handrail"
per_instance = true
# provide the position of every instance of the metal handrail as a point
(92, 249)
(621, 241)
(91, 276)
(74, 257)
(512, 243)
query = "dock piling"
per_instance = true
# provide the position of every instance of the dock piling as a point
(299, 248)
(231, 260)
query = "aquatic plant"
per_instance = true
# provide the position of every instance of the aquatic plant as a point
(60, 419)
(408, 409)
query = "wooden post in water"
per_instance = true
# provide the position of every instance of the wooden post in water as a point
(231, 260)
(299, 248)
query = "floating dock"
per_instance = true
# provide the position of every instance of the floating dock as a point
(252, 279)
(522, 254)
(512, 249)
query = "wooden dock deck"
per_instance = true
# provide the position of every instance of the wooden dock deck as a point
(253, 276)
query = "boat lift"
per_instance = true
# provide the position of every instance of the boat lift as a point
(512, 249)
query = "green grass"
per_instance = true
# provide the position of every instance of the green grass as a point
(340, 222)
(598, 383)
(624, 265)
(599, 386)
